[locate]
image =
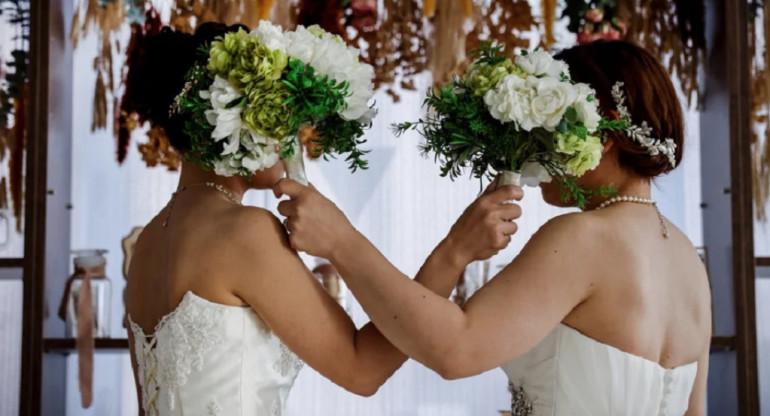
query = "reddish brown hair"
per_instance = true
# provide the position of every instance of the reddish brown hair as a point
(650, 97)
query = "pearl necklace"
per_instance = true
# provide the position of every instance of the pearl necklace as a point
(229, 195)
(637, 200)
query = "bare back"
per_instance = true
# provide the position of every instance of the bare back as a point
(190, 253)
(653, 298)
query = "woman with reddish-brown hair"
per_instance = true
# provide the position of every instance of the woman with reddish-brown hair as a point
(604, 312)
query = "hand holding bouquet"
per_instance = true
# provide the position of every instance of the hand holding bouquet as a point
(250, 94)
(525, 120)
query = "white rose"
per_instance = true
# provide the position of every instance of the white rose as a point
(588, 111)
(533, 174)
(541, 63)
(511, 101)
(270, 35)
(550, 100)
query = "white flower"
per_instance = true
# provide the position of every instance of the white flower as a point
(228, 165)
(541, 63)
(233, 143)
(301, 44)
(226, 121)
(587, 111)
(271, 36)
(533, 174)
(260, 152)
(550, 100)
(511, 101)
(331, 57)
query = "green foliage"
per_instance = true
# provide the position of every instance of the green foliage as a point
(279, 99)
(316, 101)
(460, 132)
(203, 149)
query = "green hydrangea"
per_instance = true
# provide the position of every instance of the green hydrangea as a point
(257, 66)
(586, 158)
(569, 143)
(224, 52)
(482, 77)
(267, 112)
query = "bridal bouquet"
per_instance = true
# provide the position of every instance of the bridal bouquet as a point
(525, 120)
(250, 94)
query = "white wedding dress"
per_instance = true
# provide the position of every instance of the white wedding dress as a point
(210, 359)
(570, 374)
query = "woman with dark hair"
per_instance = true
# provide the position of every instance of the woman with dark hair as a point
(604, 312)
(221, 309)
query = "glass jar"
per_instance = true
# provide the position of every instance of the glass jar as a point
(93, 263)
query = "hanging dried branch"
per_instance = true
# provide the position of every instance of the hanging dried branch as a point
(509, 23)
(448, 41)
(285, 14)
(16, 163)
(760, 100)
(656, 25)
(13, 103)
(396, 46)
(158, 150)
(549, 19)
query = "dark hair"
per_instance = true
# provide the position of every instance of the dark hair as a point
(650, 97)
(157, 75)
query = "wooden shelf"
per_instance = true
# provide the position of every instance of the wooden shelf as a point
(11, 263)
(719, 344)
(67, 345)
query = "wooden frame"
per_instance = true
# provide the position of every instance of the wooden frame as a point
(35, 211)
(741, 182)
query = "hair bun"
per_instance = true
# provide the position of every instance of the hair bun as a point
(157, 75)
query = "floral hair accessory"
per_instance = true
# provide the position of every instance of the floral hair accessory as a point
(642, 134)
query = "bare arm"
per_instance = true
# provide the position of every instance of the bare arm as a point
(298, 309)
(497, 324)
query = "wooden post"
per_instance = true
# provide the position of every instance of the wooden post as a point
(727, 214)
(47, 196)
(34, 221)
(738, 77)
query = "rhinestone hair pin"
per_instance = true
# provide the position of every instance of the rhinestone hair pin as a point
(642, 134)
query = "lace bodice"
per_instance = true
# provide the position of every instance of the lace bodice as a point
(570, 374)
(210, 359)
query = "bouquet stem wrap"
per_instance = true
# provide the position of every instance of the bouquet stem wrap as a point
(508, 177)
(295, 167)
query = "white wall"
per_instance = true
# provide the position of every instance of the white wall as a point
(400, 203)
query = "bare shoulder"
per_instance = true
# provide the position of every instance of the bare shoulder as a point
(571, 229)
(252, 225)
(564, 239)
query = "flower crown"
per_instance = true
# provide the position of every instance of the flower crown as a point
(642, 134)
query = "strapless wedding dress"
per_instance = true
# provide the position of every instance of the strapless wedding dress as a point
(210, 359)
(570, 374)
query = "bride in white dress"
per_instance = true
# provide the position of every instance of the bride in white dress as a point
(222, 312)
(605, 312)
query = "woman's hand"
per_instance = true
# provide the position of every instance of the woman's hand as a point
(487, 224)
(315, 225)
